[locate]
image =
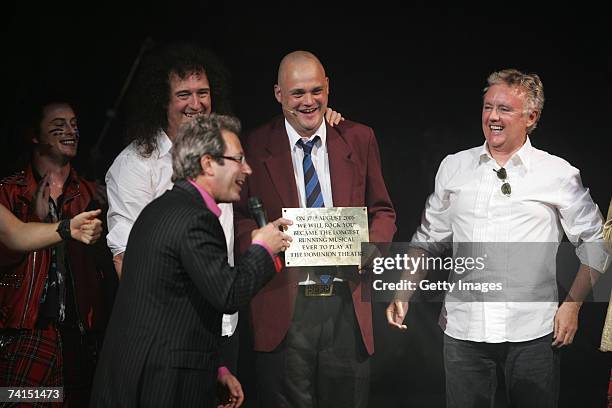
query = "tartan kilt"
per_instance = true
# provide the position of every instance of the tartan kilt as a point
(31, 358)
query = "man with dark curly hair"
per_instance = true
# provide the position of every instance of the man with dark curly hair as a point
(176, 84)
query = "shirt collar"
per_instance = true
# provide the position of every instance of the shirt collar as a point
(521, 157)
(208, 200)
(294, 135)
(164, 144)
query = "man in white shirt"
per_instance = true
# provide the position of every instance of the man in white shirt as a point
(507, 191)
(177, 84)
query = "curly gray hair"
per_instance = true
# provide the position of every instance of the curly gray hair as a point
(197, 138)
(530, 83)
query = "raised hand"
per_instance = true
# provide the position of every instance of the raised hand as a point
(85, 227)
(332, 117)
(41, 198)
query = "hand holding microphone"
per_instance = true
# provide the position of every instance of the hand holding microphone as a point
(269, 233)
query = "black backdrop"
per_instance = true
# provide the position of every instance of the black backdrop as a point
(415, 75)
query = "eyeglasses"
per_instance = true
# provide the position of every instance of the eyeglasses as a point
(502, 175)
(240, 158)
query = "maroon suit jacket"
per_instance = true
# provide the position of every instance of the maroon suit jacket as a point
(356, 181)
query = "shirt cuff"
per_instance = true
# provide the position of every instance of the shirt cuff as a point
(222, 372)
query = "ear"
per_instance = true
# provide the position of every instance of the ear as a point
(532, 118)
(327, 84)
(206, 164)
(277, 93)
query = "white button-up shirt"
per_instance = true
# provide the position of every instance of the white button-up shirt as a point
(133, 181)
(320, 161)
(467, 205)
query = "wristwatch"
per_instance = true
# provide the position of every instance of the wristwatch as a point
(63, 229)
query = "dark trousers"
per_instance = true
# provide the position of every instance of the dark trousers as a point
(80, 354)
(530, 370)
(322, 361)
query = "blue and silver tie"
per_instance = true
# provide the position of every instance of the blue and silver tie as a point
(314, 196)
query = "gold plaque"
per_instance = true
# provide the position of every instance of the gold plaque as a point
(326, 236)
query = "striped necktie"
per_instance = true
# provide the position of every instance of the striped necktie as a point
(314, 196)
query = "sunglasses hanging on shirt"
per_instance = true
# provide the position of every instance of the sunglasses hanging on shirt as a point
(502, 175)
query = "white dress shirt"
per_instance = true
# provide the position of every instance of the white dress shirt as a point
(320, 162)
(467, 205)
(133, 181)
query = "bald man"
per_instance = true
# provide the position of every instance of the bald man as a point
(313, 350)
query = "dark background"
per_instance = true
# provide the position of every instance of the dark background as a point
(415, 75)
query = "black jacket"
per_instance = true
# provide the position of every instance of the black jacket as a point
(161, 345)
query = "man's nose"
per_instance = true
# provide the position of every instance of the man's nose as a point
(494, 115)
(72, 130)
(195, 102)
(246, 169)
(308, 99)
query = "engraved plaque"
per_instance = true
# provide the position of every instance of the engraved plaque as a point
(326, 236)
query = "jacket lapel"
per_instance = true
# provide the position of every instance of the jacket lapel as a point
(341, 168)
(280, 165)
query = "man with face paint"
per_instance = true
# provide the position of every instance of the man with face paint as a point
(507, 191)
(53, 311)
(313, 351)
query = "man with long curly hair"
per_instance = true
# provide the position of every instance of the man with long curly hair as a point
(176, 84)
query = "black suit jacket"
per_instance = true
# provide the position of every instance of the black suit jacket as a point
(161, 346)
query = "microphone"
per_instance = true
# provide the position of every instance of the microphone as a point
(257, 211)
(259, 214)
(291, 111)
